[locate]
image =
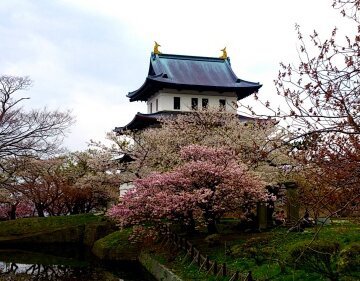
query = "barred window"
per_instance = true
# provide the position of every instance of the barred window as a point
(205, 103)
(222, 104)
(194, 103)
(176, 102)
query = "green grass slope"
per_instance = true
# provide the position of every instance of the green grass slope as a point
(116, 246)
(28, 226)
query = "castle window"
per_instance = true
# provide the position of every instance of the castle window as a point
(151, 107)
(205, 103)
(222, 104)
(157, 105)
(194, 103)
(176, 102)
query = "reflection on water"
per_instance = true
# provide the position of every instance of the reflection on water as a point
(21, 265)
(55, 272)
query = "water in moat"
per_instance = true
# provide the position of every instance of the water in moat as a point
(65, 263)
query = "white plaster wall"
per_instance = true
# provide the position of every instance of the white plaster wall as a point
(166, 100)
(152, 100)
(125, 187)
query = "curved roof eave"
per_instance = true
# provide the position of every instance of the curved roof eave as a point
(152, 84)
(137, 94)
(140, 120)
(145, 120)
(245, 92)
(239, 84)
(133, 93)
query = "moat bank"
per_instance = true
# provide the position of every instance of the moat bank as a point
(66, 263)
(87, 245)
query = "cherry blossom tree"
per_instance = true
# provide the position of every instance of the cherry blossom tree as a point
(74, 183)
(20, 209)
(92, 181)
(14, 205)
(208, 183)
(39, 181)
(319, 113)
(26, 133)
(157, 149)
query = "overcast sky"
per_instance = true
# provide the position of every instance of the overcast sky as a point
(86, 55)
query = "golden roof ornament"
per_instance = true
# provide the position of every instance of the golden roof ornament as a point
(224, 54)
(156, 48)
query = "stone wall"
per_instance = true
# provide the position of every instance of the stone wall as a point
(85, 234)
(159, 271)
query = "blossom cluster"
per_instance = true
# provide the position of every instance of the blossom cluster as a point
(208, 184)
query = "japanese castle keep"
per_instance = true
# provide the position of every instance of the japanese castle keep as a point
(178, 83)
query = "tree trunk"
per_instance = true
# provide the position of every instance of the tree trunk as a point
(40, 210)
(188, 223)
(211, 227)
(210, 219)
(190, 227)
(12, 212)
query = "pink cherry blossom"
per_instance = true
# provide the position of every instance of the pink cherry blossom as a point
(209, 183)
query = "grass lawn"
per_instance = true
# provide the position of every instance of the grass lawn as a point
(118, 238)
(26, 226)
(265, 254)
(116, 246)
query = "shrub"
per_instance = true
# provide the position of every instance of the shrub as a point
(319, 257)
(236, 251)
(213, 240)
(255, 248)
(257, 242)
(349, 262)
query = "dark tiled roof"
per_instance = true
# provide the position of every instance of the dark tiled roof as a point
(192, 73)
(142, 121)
